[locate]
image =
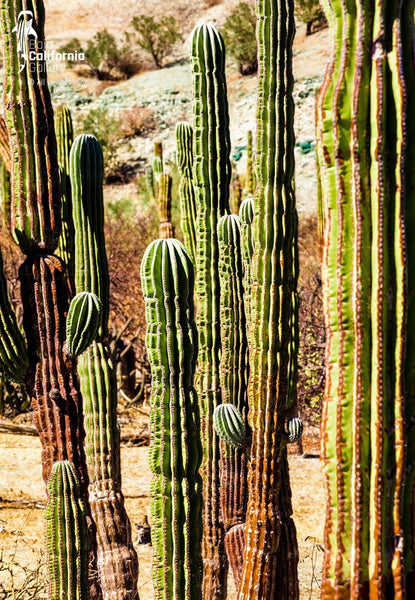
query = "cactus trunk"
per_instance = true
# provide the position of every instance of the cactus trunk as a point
(175, 450)
(188, 212)
(365, 149)
(271, 554)
(212, 172)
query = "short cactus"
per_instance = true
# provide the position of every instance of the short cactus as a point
(294, 429)
(82, 322)
(175, 449)
(229, 425)
(166, 229)
(66, 536)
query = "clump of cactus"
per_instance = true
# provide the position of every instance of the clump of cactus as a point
(175, 450)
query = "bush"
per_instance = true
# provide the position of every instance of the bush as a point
(106, 128)
(104, 58)
(310, 12)
(137, 120)
(240, 38)
(156, 37)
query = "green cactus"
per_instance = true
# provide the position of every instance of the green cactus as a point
(250, 176)
(175, 449)
(64, 138)
(188, 212)
(116, 557)
(365, 153)
(66, 536)
(91, 267)
(229, 425)
(158, 151)
(246, 215)
(271, 554)
(150, 184)
(212, 172)
(36, 206)
(166, 229)
(235, 195)
(82, 322)
(294, 429)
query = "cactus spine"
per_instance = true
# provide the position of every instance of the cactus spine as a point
(175, 450)
(188, 212)
(66, 536)
(212, 171)
(233, 379)
(64, 138)
(365, 152)
(271, 555)
(116, 557)
(166, 229)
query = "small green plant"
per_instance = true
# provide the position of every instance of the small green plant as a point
(104, 57)
(239, 36)
(156, 36)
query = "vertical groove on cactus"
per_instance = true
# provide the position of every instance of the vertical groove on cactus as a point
(175, 450)
(14, 360)
(116, 557)
(233, 379)
(64, 138)
(212, 170)
(87, 174)
(271, 554)
(166, 229)
(36, 206)
(250, 178)
(365, 148)
(188, 212)
(66, 535)
(5, 152)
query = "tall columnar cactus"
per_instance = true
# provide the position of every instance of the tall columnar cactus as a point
(150, 183)
(250, 176)
(271, 555)
(66, 536)
(188, 212)
(116, 557)
(212, 171)
(64, 138)
(246, 215)
(175, 449)
(166, 229)
(365, 151)
(233, 379)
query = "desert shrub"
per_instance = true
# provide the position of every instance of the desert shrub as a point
(104, 57)
(310, 12)
(311, 322)
(156, 36)
(240, 39)
(137, 120)
(106, 127)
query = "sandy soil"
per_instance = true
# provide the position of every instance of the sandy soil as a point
(22, 496)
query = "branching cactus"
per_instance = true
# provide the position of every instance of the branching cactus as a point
(175, 449)
(64, 138)
(188, 212)
(116, 557)
(166, 229)
(212, 171)
(271, 554)
(66, 536)
(365, 152)
(233, 379)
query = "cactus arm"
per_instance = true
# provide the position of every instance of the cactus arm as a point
(175, 450)
(211, 178)
(66, 535)
(271, 555)
(64, 138)
(188, 213)
(166, 229)
(36, 218)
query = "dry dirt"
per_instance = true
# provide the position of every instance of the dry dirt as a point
(22, 496)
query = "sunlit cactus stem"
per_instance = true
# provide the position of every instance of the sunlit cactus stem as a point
(175, 448)
(188, 211)
(250, 176)
(246, 215)
(66, 536)
(366, 145)
(166, 229)
(116, 557)
(271, 554)
(211, 174)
